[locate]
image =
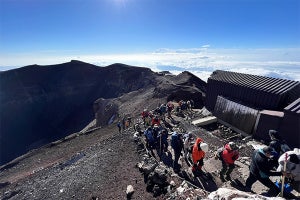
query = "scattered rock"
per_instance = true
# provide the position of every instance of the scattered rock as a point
(129, 191)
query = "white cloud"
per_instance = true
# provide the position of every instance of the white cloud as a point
(206, 46)
(283, 63)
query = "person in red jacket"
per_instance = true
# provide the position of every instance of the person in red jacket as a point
(198, 154)
(155, 120)
(228, 156)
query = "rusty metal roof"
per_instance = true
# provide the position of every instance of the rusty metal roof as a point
(262, 83)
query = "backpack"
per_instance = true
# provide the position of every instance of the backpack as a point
(174, 140)
(190, 149)
(218, 153)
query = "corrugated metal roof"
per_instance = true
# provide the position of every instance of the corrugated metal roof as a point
(255, 91)
(271, 85)
(294, 107)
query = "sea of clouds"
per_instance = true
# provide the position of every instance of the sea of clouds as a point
(277, 63)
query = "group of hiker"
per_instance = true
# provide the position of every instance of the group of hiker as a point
(190, 149)
(125, 123)
(165, 109)
(276, 159)
(265, 162)
(153, 117)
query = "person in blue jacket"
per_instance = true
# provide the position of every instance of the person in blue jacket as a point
(177, 145)
(162, 140)
(150, 141)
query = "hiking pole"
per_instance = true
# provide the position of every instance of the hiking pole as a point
(160, 144)
(283, 176)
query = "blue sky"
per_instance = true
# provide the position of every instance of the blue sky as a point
(252, 36)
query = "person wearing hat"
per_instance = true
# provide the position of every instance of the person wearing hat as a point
(228, 156)
(198, 154)
(277, 144)
(261, 169)
(177, 145)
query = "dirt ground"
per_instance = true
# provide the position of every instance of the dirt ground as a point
(100, 164)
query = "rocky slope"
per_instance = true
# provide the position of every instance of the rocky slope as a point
(100, 162)
(40, 104)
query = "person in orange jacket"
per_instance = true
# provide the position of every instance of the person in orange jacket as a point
(228, 156)
(198, 154)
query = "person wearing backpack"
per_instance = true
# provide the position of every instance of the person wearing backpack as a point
(150, 141)
(163, 110)
(177, 145)
(198, 154)
(119, 126)
(278, 144)
(187, 144)
(163, 140)
(261, 169)
(228, 155)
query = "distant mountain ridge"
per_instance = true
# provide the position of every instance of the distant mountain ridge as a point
(40, 104)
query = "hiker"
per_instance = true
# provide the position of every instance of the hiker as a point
(147, 121)
(228, 154)
(260, 170)
(163, 140)
(192, 104)
(145, 115)
(187, 139)
(119, 126)
(170, 107)
(155, 131)
(123, 123)
(277, 144)
(150, 142)
(198, 154)
(138, 129)
(156, 121)
(183, 105)
(292, 167)
(129, 121)
(177, 145)
(157, 111)
(163, 110)
(189, 106)
(126, 124)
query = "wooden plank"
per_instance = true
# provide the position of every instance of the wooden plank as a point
(204, 121)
